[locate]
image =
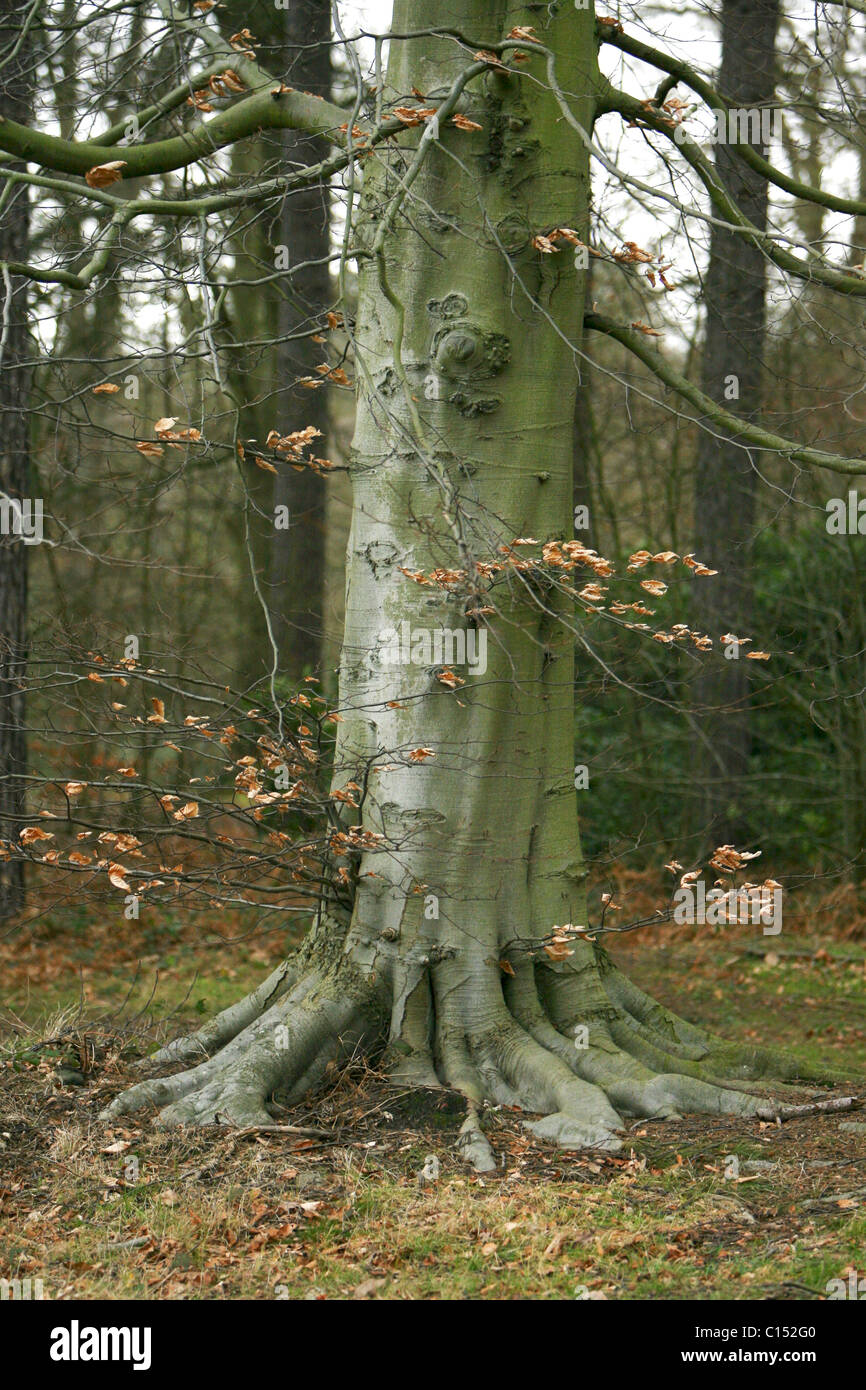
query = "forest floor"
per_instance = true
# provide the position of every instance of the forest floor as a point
(703, 1208)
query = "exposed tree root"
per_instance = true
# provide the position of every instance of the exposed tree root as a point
(658, 1028)
(198, 1046)
(582, 1046)
(288, 1047)
(474, 1145)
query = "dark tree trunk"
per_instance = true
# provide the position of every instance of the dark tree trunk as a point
(14, 472)
(297, 574)
(293, 42)
(725, 474)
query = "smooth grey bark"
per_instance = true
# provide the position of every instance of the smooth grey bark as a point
(15, 375)
(725, 477)
(463, 855)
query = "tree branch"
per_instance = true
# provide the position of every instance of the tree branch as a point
(743, 431)
(264, 110)
(812, 270)
(681, 72)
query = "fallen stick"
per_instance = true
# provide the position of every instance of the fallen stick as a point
(793, 1112)
(304, 1132)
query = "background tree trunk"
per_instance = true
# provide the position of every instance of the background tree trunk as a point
(294, 42)
(15, 373)
(297, 577)
(725, 476)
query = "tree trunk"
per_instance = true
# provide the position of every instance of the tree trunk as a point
(297, 576)
(463, 855)
(857, 248)
(14, 474)
(725, 473)
(584, 443)
(294, 41)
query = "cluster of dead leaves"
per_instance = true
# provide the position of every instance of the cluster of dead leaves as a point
(447, 677)
(165, 431)
(220, 85)
(419, 115)
(656, 269)
(565, 556)
(558, 944)
(562, 555)
(671, 113)
(348, 795)
(291, 447)
(243, 42)
(727, 858)
(440, 578)
(547, 242)
(640, 558)
(354, 840)
(326, 374)
(360, 138)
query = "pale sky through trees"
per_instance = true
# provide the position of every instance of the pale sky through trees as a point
(689, 32)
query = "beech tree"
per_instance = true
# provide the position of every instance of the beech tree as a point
(452, 919)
